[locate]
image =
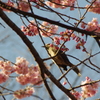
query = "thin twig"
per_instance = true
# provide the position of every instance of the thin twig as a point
(90, 83)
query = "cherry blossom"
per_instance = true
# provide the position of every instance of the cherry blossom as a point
(92, 26)
(48, 29)
(22, 93)
(23, 79)
(76, 94)
(33, 76)
(6, 67)
(23, 5)
(31, 29)
(64, 83)
(89, 90)
(3, 77)
(56, 40)
(61, 3)
(66, 35)
(21, 66)
(95, 7)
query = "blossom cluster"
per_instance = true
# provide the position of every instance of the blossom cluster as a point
(87, 90)
(22, 93)
(5, 70)
(46, 29)
(21, 66)
(60, 3)
(95, 7)
(25, 75)
(92, 26)
(33, 76)
(21, 5)
(31, 29)
(76, 94)
(68, 35)
(24, 4)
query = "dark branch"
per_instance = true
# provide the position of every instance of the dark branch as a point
(17, 11)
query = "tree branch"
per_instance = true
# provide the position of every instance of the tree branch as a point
(17, 11)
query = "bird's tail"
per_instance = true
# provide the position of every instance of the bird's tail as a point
(77, 71)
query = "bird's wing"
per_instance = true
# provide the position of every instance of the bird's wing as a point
(65, 59)
(68, 63)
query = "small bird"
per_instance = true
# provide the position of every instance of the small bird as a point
(60, 59)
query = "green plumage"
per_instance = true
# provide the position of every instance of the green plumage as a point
(61, 59)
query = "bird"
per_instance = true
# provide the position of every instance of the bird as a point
(61, 59)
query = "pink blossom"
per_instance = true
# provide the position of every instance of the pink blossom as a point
(77, 39)
(6, 67)
(60, 3)
(21, 66)
(66, 35)
(73, 36)
(33, 76)
(35, 68)
(23, 79)
(29, 91)
(3, 77)
(95, 8)
(23, 5)
(92, 26)
(36, 80)
(64, 83)
(31, 29)
(64, 48)
(56, 40)
(76, 94)
(89, 90)
(48, 29)
(22, 93)
(80, 43)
